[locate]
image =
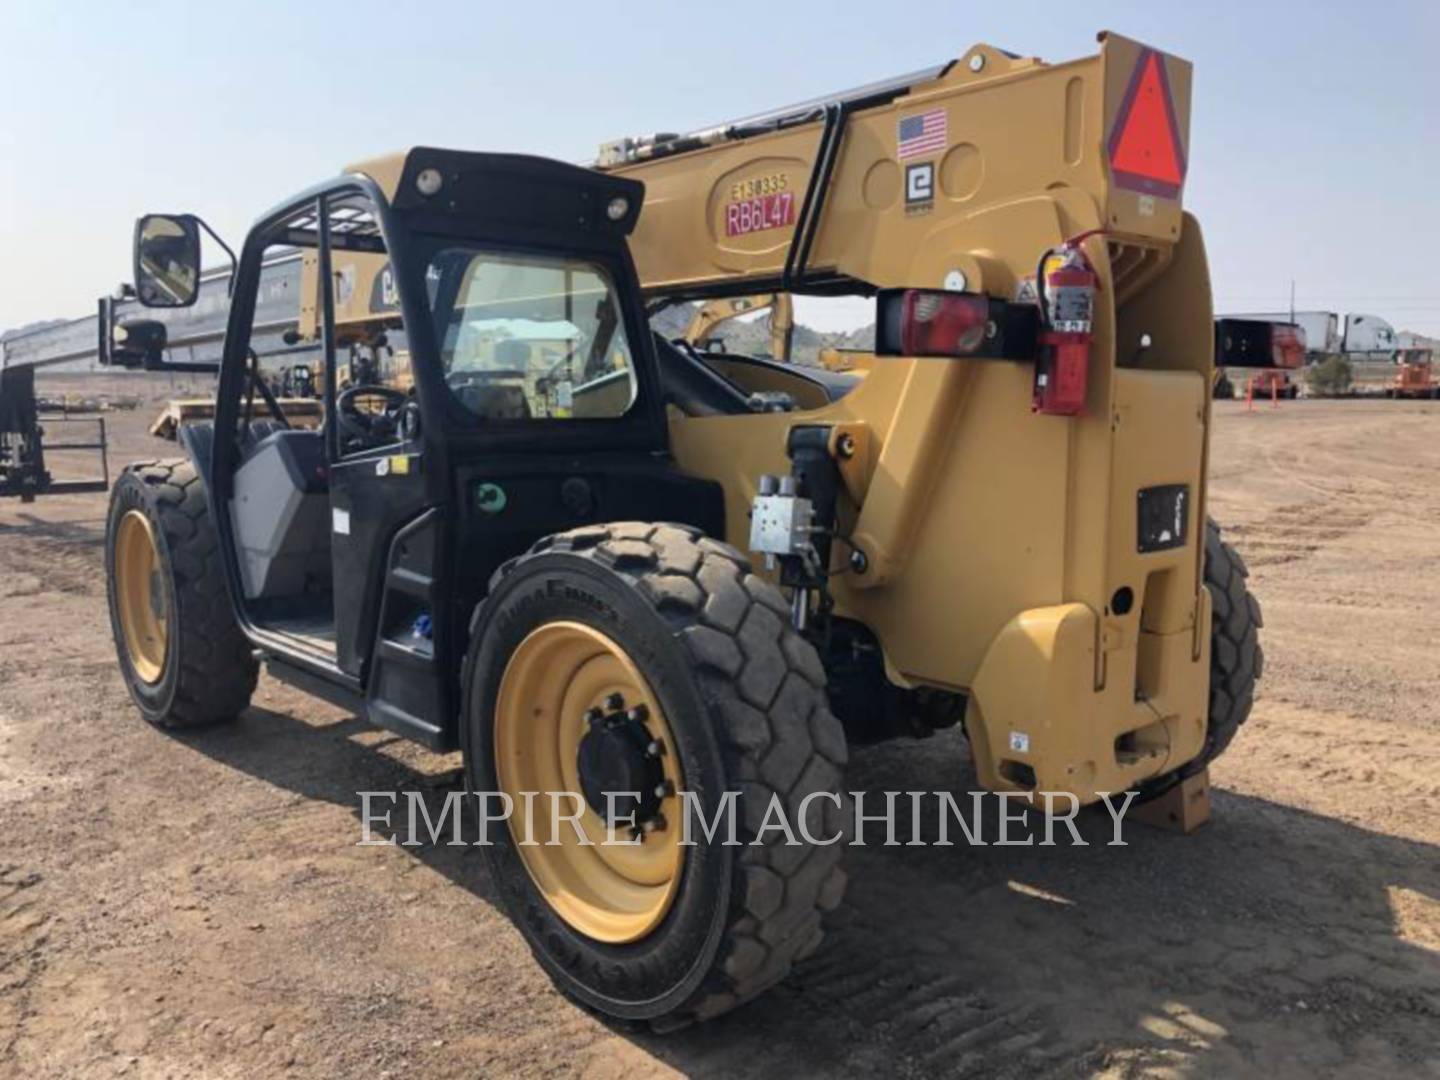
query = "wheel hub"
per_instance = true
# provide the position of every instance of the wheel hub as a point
(621, 775)
(140, 596)
(573, 713)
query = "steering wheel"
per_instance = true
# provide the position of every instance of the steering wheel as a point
(368, 427)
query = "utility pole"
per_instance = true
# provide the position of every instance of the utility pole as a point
(1292, 299)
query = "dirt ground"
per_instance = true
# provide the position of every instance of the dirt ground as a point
(196, 905)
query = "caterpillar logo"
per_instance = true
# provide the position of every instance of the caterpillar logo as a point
(385, 293)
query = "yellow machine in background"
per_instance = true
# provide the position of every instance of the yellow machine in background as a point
(713, 314)
(534, 376)
(302, 412)
(367, 318)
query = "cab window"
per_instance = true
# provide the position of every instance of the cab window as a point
(531, 337)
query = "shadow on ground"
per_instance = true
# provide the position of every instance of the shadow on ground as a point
(89, 533)
(1273, 939)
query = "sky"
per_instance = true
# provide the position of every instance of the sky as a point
(1314, 149)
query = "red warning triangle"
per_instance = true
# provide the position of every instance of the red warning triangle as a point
(1145, 148)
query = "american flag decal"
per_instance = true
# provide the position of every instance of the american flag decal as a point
(923, 134)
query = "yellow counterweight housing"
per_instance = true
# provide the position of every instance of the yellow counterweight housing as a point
(1000, 546)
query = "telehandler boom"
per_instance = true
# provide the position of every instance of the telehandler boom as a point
(674, 586)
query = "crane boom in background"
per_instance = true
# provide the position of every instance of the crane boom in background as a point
(192, 336)
(123, 334)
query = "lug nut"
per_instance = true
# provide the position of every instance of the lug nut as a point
(654, 824)
(639, 714)
(615, 702)
(859, 562)
(846, 446)
(593, 716)
(656, 748)
(664, 790)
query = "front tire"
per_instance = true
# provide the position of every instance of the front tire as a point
(184, 659)
(674, 621)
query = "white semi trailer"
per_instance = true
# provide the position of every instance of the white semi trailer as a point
(1322, 329)
(1358, 337)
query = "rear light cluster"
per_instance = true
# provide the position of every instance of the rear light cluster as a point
(941, 324)
(932, 322)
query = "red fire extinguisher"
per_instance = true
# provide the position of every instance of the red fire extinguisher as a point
(1065, 288)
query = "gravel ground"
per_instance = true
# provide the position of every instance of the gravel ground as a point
(196, 905)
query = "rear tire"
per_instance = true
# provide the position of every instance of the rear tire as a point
(743, 695)
(1236, 659)
(194, 666)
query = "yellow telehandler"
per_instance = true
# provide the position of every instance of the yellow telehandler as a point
(599, 563)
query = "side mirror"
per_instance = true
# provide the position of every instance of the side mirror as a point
(139, 343)
(167, 260)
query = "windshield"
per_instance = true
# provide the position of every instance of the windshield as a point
(530, 336)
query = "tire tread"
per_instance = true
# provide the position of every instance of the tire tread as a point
(1236, 657)
(218, 673)
(763, 685)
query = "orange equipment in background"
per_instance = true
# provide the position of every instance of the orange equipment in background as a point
(1414, 374)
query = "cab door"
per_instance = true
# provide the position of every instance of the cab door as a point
(384, 527)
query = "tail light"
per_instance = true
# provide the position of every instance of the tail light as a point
(944, 324)
(932, 322)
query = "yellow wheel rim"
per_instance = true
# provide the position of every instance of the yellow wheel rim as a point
(555, 682)
(140, 596)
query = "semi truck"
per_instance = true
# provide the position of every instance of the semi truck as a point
(1356, 336)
